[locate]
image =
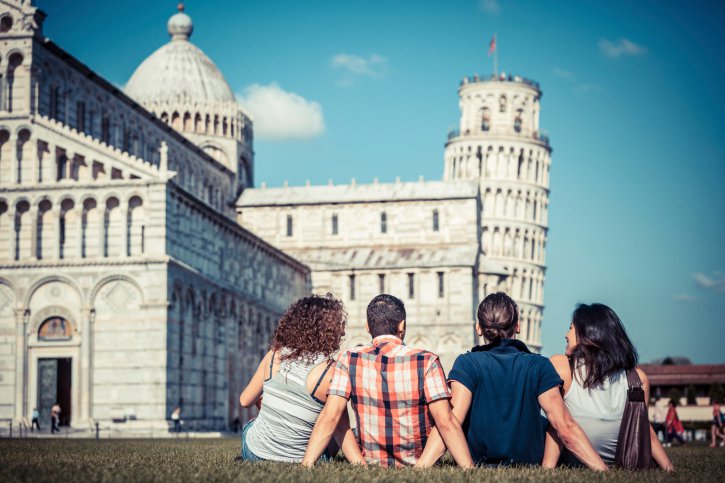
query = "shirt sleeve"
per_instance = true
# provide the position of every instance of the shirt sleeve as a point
(340, 384)
(463, 372)
(435, 382)
(548, 377)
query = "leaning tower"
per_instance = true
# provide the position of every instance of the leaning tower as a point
(499, 143)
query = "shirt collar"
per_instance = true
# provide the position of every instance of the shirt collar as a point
(503, 346)
(387, 339)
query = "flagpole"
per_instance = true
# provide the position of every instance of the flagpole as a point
(495, 56)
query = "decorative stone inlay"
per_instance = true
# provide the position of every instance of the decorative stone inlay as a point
(119, 297)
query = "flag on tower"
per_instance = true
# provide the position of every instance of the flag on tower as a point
(492, 45)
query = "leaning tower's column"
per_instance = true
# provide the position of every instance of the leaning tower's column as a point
(499, 143)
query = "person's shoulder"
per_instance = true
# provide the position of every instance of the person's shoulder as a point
(642, 376)
(426, 354)
(560, 363)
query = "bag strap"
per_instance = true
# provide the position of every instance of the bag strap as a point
(635, 393)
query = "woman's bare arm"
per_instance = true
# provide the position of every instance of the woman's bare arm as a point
(658, 452)
(253, 391)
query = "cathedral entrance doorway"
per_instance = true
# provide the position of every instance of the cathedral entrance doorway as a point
(54, 387)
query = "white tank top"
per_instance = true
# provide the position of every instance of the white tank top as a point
(599, 410)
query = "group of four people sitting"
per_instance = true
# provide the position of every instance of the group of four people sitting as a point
(487, 412)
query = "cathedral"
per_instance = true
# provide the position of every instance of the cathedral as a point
(141, 269)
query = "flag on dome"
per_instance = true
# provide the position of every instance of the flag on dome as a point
(492, 45)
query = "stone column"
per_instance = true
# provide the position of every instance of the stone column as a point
(69, 164)
(125, 246)
(87, 314)
(52, 175)
(33, 212)
(55, 250)
(78, 231)
(21, 348)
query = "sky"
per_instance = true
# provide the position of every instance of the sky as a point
(633, 103)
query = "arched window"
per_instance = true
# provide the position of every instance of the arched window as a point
(106, 129)
(383, 222)
(67, 224)
(55, 329)
(289, 225)
(502, 104)
(54, 96)
(518, 121)
(485, 119)
(334, 225)
(22, 230)
(436, 226)
(6, 23)
(43, 231)
(13, 63)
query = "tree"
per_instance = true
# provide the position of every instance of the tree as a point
(691, 395)
(675, 395)
(716, 393)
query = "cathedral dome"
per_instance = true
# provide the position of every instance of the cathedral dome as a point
(179, 72)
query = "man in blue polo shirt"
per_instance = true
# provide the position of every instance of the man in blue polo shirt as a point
(505, 387)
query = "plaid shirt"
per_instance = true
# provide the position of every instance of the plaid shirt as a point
(390, 386)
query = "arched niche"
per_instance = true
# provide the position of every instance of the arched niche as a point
(55, 329)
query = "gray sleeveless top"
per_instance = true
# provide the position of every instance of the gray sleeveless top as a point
(289, 412)
(599, 411)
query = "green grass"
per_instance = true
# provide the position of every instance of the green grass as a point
(41, 460)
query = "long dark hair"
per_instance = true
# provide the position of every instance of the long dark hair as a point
(602, 344)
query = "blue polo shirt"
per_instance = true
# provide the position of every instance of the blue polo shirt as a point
(504, 425)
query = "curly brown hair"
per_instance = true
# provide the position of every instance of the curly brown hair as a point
(311, 326)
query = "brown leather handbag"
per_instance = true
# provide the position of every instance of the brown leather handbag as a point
(634, 447)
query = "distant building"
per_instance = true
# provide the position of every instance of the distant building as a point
(441, 246)
(127, 288)
(685, 378)
(140, 270)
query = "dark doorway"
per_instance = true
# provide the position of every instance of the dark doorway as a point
(54, 386)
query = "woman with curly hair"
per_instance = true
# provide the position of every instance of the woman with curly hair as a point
(294, 377)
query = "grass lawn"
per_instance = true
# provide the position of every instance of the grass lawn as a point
(40, 460)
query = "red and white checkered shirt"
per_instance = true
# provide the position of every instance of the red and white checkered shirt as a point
(390, 385)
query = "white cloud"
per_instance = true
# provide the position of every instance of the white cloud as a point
(620, 48)
(684, 297)
(490, 6)
(375, 66)
(562, 73)
(714, 282)
(281, 115)
(589, 87)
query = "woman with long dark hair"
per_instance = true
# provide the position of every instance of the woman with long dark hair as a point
(594, 370)
(294, 377)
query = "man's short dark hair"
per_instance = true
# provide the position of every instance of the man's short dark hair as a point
(498, 315)
(385, 313)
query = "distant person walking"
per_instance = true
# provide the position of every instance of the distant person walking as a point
(55, 418)
(718, 426)
(660, 418)
(674, 425)
(35, 420)
(176, 418)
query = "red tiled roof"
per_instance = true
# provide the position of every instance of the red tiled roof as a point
(671, 375)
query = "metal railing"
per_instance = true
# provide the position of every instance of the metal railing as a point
(474, 79)
(539, 136)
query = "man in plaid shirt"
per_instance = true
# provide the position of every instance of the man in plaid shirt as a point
(397, 394)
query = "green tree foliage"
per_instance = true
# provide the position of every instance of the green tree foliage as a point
(716, 393)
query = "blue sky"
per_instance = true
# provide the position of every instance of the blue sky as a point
(633, 103)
